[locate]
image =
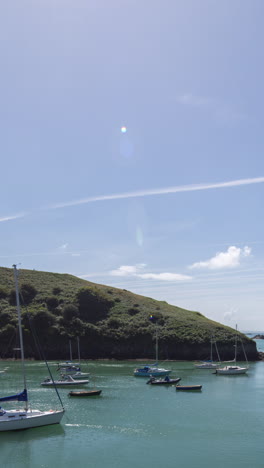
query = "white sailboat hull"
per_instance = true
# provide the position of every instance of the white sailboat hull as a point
(65, 383)
(15, 420)
(206, 365)
(231, 370)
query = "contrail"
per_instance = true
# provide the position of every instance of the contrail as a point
(162, 191)
(9, 218)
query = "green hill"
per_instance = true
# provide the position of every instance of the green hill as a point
(111, 322)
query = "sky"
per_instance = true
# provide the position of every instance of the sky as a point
(131, 144)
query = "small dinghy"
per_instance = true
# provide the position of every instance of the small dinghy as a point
(188, 387)
(86, 393)
(166, 381)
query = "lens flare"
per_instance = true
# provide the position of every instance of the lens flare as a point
(139, 236)
(123, 129)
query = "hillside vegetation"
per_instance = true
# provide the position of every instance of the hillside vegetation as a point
(111, 322)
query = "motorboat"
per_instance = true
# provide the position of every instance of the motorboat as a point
(65, 381)
(149, 371)
(166, 381)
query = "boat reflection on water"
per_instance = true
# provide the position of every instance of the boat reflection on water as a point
(27, 437)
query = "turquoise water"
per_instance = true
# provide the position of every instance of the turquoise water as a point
(137, 425)
(259, 343)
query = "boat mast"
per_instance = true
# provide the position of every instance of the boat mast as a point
(211, 355)
(70, 351)
(236, 346)
(78, 344)
(157, 350)
(20, 331)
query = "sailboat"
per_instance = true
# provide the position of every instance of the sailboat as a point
(71, 368)
(234, 369)
(16, 419)
(210, 364)
(152, 370)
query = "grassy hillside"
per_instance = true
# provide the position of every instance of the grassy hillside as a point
(111, 322)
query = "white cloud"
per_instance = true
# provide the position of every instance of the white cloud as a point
(165, 276)
(136, 271)
(230, 315)
(127, 270)
(220, 110)
(229, 259)
(194, 101)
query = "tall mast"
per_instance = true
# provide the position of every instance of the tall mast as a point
(20, 330)
(70, 351)
(236, 345)
(211, 354)
(157, 350)
(78, 344)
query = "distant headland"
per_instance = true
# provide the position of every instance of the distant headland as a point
(110, 323)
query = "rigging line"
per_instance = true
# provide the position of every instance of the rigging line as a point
(40, 350)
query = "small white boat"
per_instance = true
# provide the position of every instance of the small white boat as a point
(152, 370)
(65, 381)
(70, 368)
(74, 371)
(66, 364)
(73, 368)
(233, 369)
(209, 364)
(80, 375)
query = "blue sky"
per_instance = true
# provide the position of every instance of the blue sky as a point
(170, 207)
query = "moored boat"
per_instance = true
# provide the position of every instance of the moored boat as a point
(166, 381)
(210, 364)
(188, 387)
(85, 393)
(150, 371)
(233, 369)
(65, 381)
(26, 418)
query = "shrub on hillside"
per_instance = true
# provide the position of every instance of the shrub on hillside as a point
(52, 302)
(70, 312)
(93, 304)
(26, 295)
(42, 320)
(133, 311)
(3, 293)
(28, 292)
